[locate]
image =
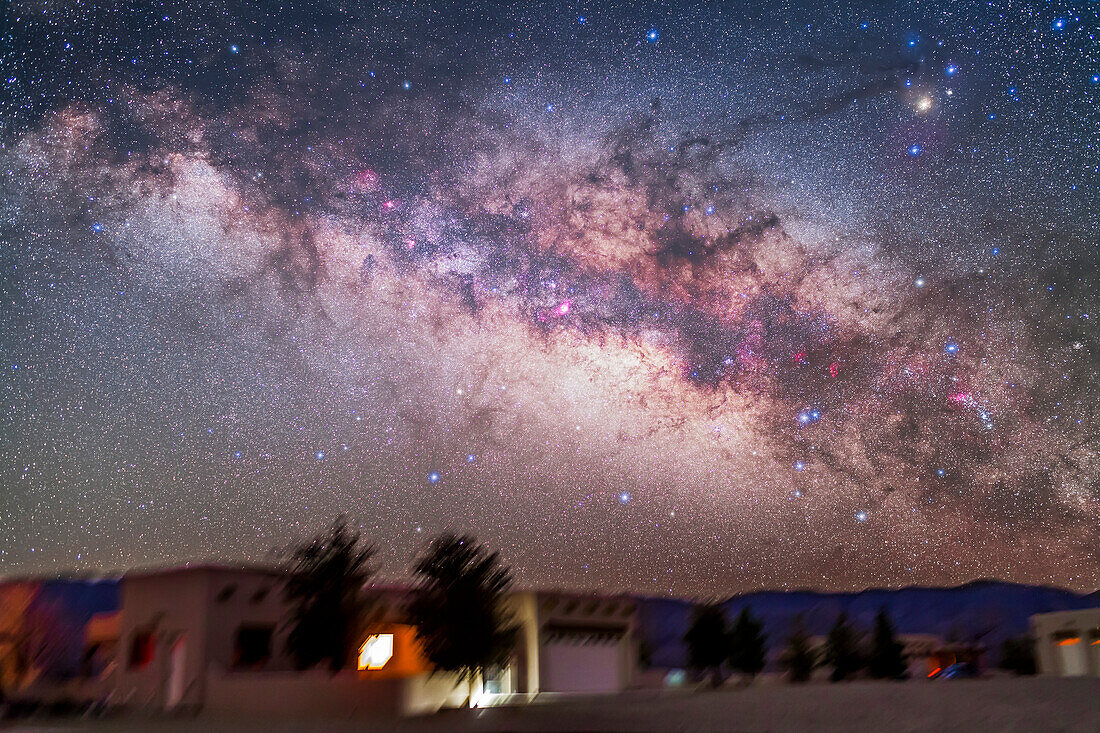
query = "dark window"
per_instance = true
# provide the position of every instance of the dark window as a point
(226, 593)
(252, 649)
(260, 595)
(142, 649)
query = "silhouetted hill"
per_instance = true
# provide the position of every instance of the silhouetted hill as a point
(986, 611)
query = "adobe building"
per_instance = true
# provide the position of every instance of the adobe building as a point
(213, 639)
(1067, 643)
(176, 624)
(573, 643)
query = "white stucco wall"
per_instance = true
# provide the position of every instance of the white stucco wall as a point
(1082, 657)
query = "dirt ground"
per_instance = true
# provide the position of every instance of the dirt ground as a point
(1002, 704)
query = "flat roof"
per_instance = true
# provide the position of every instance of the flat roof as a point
(1073, 613)
(208, 567)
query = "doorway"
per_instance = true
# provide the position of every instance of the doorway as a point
(177, 665)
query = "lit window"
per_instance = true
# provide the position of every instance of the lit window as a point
(1070, 641)
(376, 651)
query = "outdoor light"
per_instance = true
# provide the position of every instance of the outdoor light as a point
(376, 651)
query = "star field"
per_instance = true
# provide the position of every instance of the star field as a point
(688, 298)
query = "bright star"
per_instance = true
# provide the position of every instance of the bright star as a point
(951, 70)
(470, 458)
(320, 455)
(624, 498)
(919, 282)
(915, 149)
(652, 35)
(433, 477)
(861, 516)
(951, 347)
(234, 48)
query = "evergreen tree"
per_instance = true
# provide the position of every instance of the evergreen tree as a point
(1018, 655)
(458, 607)
(887, 660)
(325, 592)
(798, 657)
(707, 641)
(842, 649)
(748, 644)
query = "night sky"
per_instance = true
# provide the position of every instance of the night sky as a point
(686, 299)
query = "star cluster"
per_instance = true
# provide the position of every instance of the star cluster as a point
(688, 298)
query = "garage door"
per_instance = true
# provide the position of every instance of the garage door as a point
(581, 665)
(1074, 657)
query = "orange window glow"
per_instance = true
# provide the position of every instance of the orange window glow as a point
(376, 651)
(1069, 642)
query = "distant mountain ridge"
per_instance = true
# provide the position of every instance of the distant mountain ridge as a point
(985, 611)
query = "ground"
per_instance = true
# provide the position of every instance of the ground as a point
(1003, 704)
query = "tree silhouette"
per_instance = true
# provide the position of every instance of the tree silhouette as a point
(457, 607)
(707, 641)
(748, 644)
(798, 657)
(325, 590)
(1018, 655)
(842, 649)
(887, 659)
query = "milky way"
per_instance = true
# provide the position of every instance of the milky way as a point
(684, 299)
